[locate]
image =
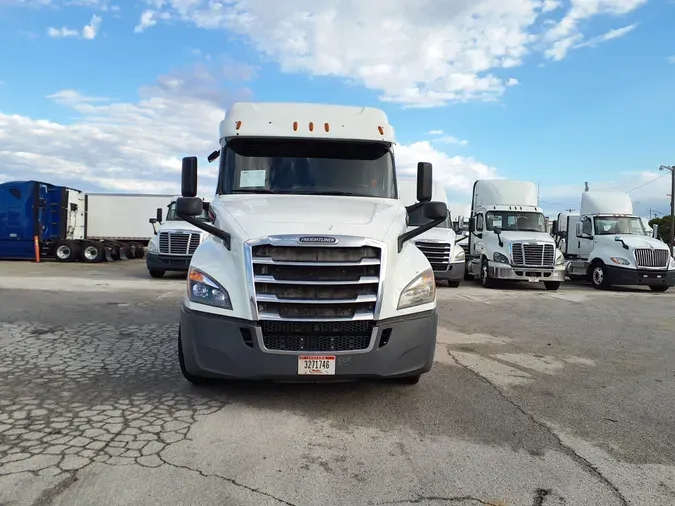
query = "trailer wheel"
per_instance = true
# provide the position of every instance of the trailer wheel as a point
(140, 250)
(66, 251)
(92, 252)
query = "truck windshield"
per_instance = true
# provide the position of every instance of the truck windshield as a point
(171, 214)
(416, 218)
(516, 221)
(612, 225)
(307, 167)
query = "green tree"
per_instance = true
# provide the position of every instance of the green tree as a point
(664, 227)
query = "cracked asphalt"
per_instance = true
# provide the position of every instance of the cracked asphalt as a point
(537, 399)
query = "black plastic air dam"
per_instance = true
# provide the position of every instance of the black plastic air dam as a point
(620, 276)
(213, 346)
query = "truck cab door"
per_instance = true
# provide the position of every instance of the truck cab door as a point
(584, 237)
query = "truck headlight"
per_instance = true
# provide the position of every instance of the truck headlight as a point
(459, 253)
(500, 257)
(204, 290)
(560, 259)
(672, 263)
(619, 260)
(421, 290)
(152, 247)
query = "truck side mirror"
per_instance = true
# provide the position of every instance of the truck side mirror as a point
(472, 225)
(424, 182)
(189, 206)
(435, 210)
(152, 220)
(579, 229)
(159, 215)
(554, 227)
(189, 177)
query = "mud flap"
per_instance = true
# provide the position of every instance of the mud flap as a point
(108, 254)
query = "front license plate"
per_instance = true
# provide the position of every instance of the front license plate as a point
(316, 365)
(533, 280)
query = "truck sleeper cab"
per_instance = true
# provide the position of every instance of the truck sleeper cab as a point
(508, 239)
(608, 245)
(174, 242)
(309, 272)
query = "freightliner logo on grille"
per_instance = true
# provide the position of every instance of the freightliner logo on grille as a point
(318, 239)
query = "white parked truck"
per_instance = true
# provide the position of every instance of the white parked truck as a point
(174, 242)
(309, 271)
(439, 243)
(508, 240)
(607, 244)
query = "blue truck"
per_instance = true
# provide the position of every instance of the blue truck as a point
(70, 225)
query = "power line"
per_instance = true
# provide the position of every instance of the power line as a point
(648, 182)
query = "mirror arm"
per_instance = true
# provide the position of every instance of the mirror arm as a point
(406, 236)
(220, 234)
(501, 244)
(414, 207)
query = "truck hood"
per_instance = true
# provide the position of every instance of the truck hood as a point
(435, 234)
(636, 241)
(263, 215)
(178, 226)
(517, 236)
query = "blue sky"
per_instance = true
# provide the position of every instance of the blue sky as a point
(579, 90)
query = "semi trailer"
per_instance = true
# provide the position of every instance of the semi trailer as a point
(607, 244)
(439, 243)
(508, 240)
(308, 271)
(41, 220)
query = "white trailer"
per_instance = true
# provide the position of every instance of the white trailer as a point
(607, 244)
(309, 272)
(439, 244)
(508, 239)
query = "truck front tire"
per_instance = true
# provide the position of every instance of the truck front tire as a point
(659, 288)
(156, 273)
(552, 285)
(485, 278)
(599, 278)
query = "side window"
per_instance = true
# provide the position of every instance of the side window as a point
(479, 223)
(15, 192)
(586, 227)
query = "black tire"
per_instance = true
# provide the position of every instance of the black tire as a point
(140, 250)
(598, 275)
(659, 288)
(410, 380)
(66, 251)
(576, 277)
(156, 273)
(191, 378)
(552, 285)
(467, 275)
(453, 284)
(92, 252)
(485, 278)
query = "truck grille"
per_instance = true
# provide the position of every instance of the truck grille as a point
(316, 283)
(438, 254)
(178, 243)
(320, 336)
(652, 257)
(533, 255)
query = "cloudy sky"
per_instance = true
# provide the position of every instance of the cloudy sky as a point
(108, 95)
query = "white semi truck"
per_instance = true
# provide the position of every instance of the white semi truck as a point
(174, 242)
(508, 240)
(439, 243)
(607, 244)
(309, 270)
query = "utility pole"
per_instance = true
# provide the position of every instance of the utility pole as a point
(671, 168)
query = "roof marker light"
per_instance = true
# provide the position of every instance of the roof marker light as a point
(326, 127)
(311, 126)
(237, 125)
(295, 126)
(381, 130)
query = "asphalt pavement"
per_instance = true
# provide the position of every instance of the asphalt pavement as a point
(537, 398)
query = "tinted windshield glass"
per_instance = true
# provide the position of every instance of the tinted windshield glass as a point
(612, 225)
(171, 214)
(416, 218)
(515, 220)
(307, 167)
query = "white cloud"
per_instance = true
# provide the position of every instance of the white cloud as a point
(124, 146)
(435, 132)
(449, 139)
(610, 35)
(89, 31)
(566, 33)
(62, 32)
(419, 57)
(512, 82)
(149, 18)
(670, 59)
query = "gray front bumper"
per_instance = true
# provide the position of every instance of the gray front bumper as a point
(454, 273)
(167, 262)
(221, 347)
(508, 273)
